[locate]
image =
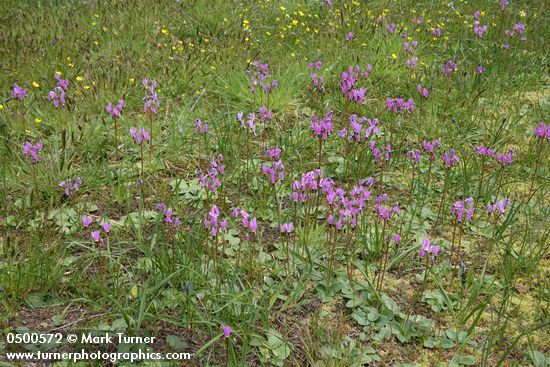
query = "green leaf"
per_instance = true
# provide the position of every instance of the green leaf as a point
(58, 320)
(175, 342)
(446, 343)
(431, 342)
(373, 314)
(539, 360)
(390, 304)
(464, 360)
(66, 261)
(361, 317)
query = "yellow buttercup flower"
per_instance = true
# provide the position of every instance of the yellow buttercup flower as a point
(132, 80)
(522, 14)
(1, 107)
(134, 291)
(79, 78)
(35, 84)
(393, 56)
(38, 120)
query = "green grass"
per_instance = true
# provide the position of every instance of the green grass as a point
(306, 298)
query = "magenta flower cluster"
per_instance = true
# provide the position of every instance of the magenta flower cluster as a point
(71, 185)
(259, 77)
(505, 158)
(430, 147)
(318, 81)
(399, 105)
(450, 158)
(18, 92)
(96, 235)
(357, 123)
(384, 212)
(346, 208)
(460, 207)
(115, 111)
(503, 4)
(499, 206)
(377, 152)
(31, 151)
(151, 98)
(200, 127)
(213, 222)
(427, 248)
(485, 151)
(423, 91)
(542, 131)
(479, 29)
(322, 127)
(286, 228)
(57, 95)
(211, 178)
(409, 47)
(250, 225)
(301, 190)
(140, 135)
(169, 215)
(349, 81)
(414, 155)
(275, 169)
(449, 67)
(411, 63)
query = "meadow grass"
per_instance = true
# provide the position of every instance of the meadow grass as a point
(391, 232)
